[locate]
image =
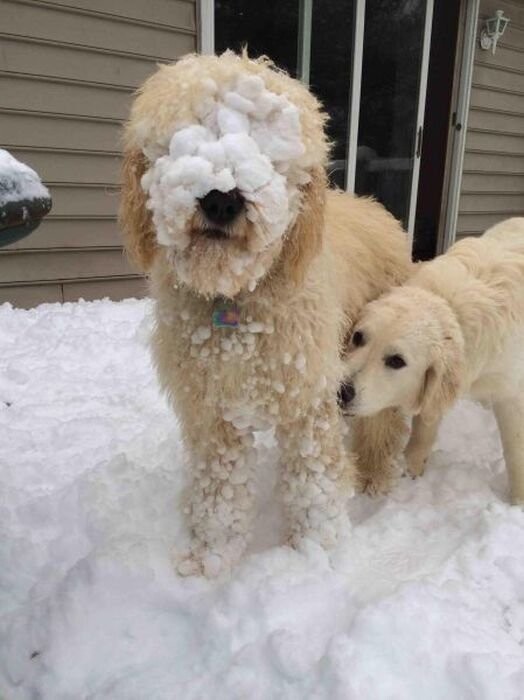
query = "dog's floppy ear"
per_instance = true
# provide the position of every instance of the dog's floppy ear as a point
(442, 381)
(304, 241)
(134, 217)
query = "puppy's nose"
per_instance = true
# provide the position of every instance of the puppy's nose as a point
(345, 394)
(222, 207)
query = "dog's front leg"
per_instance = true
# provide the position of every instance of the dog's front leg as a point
(423, 436)
(317, 475)
(220, 506)
(510, 419)
(377, 440)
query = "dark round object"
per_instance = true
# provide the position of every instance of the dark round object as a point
(222, 207)
(345, 394)
(19, 218)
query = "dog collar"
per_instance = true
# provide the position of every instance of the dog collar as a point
(226, 314)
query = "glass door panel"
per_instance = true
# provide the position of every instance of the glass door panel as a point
(330, 74)
(277, 29)
(267, 28)
(392, 62)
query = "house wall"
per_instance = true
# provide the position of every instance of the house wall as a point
(68, 69)
(492, 186)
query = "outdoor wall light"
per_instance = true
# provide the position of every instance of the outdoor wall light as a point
(494, 28)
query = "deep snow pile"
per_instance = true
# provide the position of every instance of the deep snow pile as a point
(426, 600)
(18, 181)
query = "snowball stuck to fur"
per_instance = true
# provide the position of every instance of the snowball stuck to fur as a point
(250, 139)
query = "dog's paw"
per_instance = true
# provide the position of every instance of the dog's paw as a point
(187, 564)
(202, 562)
(327, 529)
(210, 561)
(414, 466)
(378, 484)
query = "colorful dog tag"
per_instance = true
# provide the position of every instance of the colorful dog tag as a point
(226, 316)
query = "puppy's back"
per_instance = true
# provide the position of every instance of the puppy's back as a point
(499, 246)
(482, 278)
(510, 233)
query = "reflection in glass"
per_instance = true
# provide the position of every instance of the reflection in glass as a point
(271, 28)
(267, 28)
(330, 74)
(393, 43)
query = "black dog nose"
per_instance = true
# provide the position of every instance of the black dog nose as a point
(222, 207)
(345, 394)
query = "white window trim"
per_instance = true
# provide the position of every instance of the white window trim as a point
(466, 61)
(354, 100)
(422, 89)
(206, 26)
(305, 16)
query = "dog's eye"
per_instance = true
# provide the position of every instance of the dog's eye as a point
(358, 339)
(395, 361)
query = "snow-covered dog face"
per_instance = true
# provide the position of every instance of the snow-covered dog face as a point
(231, 146)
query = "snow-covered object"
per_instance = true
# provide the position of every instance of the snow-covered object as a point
(247, 138)
(424, 600)
(18, 181)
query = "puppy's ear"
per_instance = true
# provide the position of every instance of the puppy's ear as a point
(304, 241)
(442, 381)
(135, 219)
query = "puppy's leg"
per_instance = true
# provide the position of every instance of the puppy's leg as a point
(220, 507)
(376, 441)
(510, 419)
(317, 476)
(419, 446)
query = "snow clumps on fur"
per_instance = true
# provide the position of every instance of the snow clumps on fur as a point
(247, 138)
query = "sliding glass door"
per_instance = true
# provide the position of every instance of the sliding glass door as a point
(312, 40)
(392, 98)
(366, 60)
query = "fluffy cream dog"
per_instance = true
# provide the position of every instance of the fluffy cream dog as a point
(457, 326)
(256, 270)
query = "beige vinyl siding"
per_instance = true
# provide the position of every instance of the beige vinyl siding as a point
(68, 70)
(492, 186)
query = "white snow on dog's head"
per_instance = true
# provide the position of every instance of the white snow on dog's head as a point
(245, 142)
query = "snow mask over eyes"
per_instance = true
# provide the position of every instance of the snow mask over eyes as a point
(248, 140)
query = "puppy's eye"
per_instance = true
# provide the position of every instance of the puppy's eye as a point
(395, 361)
(358, 339)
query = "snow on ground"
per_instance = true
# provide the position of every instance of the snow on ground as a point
(426, 600)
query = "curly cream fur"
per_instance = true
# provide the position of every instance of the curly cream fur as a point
(282, 365)
(135, 218)
(459, 324)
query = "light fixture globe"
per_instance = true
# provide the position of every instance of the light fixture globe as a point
(493, 30)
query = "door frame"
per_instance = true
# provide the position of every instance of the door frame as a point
(421, 110)
(206, 26)
(463, 75)
(359, 18)
(305, 19)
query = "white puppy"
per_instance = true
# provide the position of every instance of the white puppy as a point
(457, 326)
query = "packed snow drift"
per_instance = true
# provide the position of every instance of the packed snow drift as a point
(424, 600)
